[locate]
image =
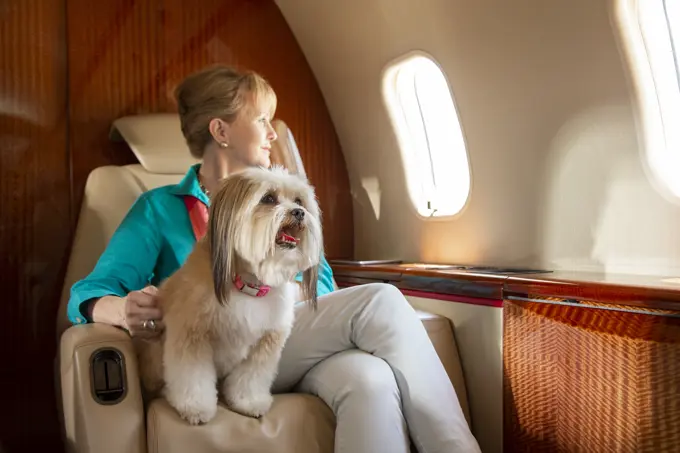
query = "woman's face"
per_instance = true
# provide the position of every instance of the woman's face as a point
(251, 134)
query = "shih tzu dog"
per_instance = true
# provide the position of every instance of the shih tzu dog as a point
(228, 310)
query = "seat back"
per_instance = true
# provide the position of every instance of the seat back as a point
(164, 158)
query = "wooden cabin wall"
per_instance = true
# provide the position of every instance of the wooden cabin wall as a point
(35, 209)
(68, 68)
(141, 49)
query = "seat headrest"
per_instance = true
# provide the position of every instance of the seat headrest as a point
(157, 141)
(285, 151)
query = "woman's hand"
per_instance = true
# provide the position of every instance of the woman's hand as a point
(143, 315)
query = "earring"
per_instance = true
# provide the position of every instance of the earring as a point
(224, 145)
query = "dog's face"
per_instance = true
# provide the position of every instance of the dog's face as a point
(268, 221)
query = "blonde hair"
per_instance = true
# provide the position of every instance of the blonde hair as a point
(216, 92)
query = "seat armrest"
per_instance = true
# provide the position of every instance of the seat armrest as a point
(100, 391)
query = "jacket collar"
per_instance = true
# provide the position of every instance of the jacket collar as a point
(189, 185)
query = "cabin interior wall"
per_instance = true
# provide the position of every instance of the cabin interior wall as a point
(68, 69)
(34, 216)
(548, 117)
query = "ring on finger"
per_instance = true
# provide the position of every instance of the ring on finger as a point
(149, 324)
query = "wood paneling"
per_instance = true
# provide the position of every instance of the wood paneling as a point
(589, 380)
(126, 57)
(68, 68)
(34, 216)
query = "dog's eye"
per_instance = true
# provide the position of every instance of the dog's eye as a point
(268, 199)
(298, 200)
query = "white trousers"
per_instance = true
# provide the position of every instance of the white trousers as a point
(366, 353)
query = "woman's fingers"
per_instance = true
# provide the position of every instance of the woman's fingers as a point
(137, 328)
(144, 298)
(141, 308)
(150, 290)
(145, 313)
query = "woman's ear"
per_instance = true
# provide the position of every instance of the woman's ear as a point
(219, 130)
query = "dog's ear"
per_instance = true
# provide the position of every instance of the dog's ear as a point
(226, 211)
(310, 279)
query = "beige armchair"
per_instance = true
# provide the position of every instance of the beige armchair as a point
(96, 368)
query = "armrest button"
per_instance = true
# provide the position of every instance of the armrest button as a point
(107, 368)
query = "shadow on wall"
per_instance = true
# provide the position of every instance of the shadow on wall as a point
(601, 212)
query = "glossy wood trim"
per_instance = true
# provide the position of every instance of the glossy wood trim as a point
(464, 285)
(655, 292)
(634, 290)
(397, 271)
(497, 303)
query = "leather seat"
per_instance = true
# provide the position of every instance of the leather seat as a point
(102, 406)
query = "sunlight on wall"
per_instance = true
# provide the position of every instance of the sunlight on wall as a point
(601, 212)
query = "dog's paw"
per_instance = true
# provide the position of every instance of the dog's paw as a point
(197, 416)
(195, 410)
(252, 406)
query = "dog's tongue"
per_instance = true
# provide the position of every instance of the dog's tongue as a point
(286, 237)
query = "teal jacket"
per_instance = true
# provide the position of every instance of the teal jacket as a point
(151, 243)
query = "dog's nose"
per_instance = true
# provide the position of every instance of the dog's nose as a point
(298, 213)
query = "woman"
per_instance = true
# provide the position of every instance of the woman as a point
(364, 351)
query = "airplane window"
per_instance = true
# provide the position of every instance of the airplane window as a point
(424, 117)
(659, 26)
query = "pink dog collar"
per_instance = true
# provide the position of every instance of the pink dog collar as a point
(251, 289)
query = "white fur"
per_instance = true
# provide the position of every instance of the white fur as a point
(232, 340)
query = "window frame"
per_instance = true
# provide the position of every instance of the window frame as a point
(659, 160)
(395, 116)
